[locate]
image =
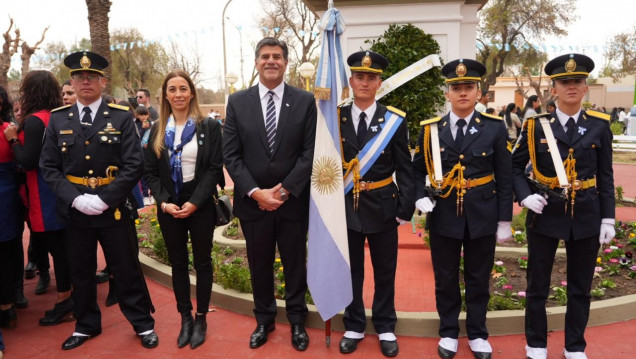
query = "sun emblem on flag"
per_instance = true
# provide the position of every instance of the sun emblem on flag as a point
(324, 175)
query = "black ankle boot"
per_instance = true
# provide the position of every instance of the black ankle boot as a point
(8, 318)
(186, 329)
(20, 300)
(43, 283)
(198, 331)
(29, 270)
(111, 298)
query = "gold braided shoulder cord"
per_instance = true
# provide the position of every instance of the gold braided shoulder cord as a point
(351, 166)
(453, 179)
(569, 164)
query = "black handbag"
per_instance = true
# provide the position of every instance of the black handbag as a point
(223, 208)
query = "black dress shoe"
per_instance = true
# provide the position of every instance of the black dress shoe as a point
(29, 270)
(102, 277)
(348, 345)
(186, 329)
(43, 283)
(300, 339)
(389, 348)
(482, 355)
(150, 340)
(75, 341)
(445, 353)
(61, 311)
(198, 331)
(259, 336)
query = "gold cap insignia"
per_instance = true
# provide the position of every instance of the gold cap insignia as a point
(85, 62)
(570, 65)
(366, 60)
(460, 70)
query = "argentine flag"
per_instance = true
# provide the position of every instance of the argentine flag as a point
(328, 267)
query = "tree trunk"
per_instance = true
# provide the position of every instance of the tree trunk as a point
(8, 49)
(28, 51)
(100, 37)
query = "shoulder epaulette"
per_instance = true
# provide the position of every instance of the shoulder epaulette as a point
(120, 107)
(546, 114)
(396, 111)
(601, 115)
(430, 120)
(492, 117)
(61, 108)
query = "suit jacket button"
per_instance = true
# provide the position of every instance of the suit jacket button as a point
(87, 143)
(483, 153)
(90, 172)
(461, 157)
(87, 157)
(393, 195)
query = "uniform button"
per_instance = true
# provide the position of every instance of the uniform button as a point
(393, 195)
(382, 152)
(483, 153)
(63, 149)
(63, 143)
(571, 150)
(593, 145)
(461, 157)
(87, 143)
(463, 168)
(88, 157)
(90, 172)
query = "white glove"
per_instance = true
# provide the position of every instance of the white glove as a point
(534, 202)
(97, 203)
(504, 231)
(425, 204)
(83, 204)
(401, 221)
(607, 231)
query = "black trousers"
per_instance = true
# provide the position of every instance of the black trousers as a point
(175, 231)
(8, 261)
(56, 243)
(479, 256)
(123, 262)
(582, 255)
(262, 237)
(383, 247)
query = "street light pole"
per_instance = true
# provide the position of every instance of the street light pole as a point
(224, 54)
(239, 29)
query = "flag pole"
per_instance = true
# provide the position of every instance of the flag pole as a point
(328, 332)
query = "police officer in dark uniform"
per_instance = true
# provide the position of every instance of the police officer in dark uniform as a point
(375, 205)
(469, 203)
(91, 159)
(585, 220)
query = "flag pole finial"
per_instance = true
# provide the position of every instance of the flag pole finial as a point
(330, 4)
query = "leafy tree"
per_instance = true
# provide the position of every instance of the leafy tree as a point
(54, 59)
(422, 97)
(621, 52)
(508, 30)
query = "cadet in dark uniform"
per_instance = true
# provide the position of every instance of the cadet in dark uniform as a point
(375, 205)
(469, 203)
(91, 159)
(586, 220)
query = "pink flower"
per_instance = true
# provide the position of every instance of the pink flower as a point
(598, 269)
(524, 258)
(507, 286)
(607, 250)
(633, 268)
(619, 245)
(521, 294)
(564, 283)
(613, 260)
(499, 263)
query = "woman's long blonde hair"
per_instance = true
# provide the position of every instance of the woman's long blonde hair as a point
(194, 111)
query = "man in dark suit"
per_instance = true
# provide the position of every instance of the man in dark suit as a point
(375, 205)
(583, 140)
(91, 159)
(268, 146)
(469, 203)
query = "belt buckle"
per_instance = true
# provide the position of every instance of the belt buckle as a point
(92, 182)
(363, 185)
(466, 183)
(576, 185)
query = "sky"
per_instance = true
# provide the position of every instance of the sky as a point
(198, 24)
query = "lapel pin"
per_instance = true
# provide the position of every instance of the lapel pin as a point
(70, 114)
(286, 104)
(344, 119)
(472, 130)
(380, 120)
(477, 120)
(374, 128)
(552, 120)
(444, 124)
(441, 149)
(582, 130)
(105, 112)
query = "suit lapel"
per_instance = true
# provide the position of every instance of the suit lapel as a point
(101, 118)
(347, 132)
(445, 134)
(473, 130)
(74, 121)
(283, 118)
(254, 103)
(557, 130)
(580, 128)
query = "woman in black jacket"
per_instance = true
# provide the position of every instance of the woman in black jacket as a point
(183, 164)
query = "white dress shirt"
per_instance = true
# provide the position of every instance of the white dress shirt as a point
(453, 122)
(356, 112)
(278, 98)
(563, 118)
(94, 108)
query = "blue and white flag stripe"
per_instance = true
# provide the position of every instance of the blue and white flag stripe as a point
(372, 150)
(328, 267)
